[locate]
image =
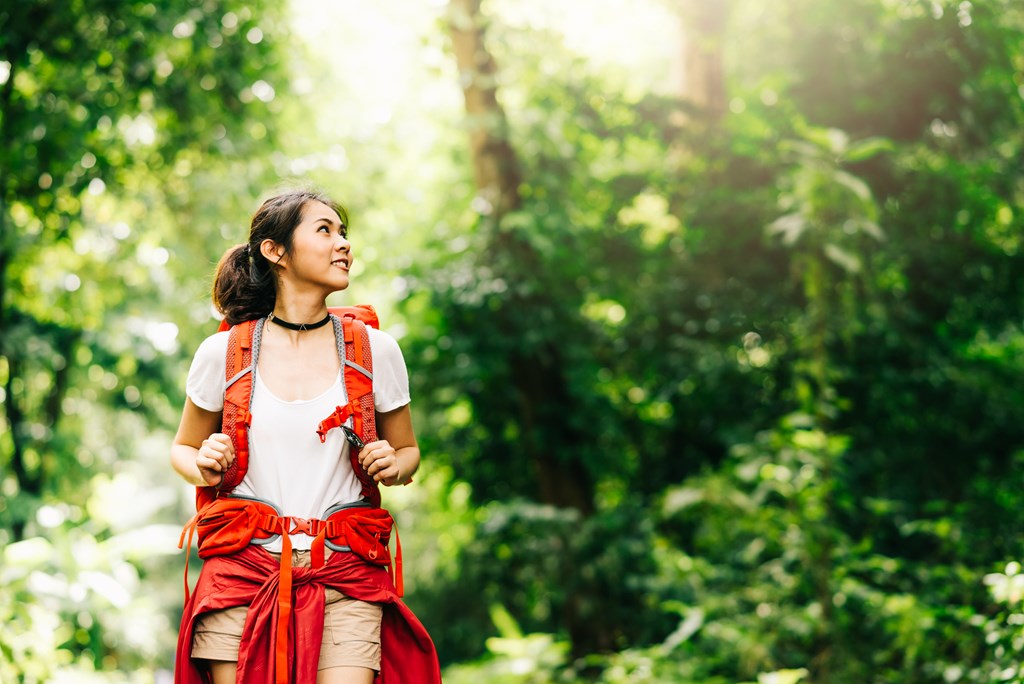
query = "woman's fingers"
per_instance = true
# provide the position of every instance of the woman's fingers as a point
(388, 472)
(380, 461)
(214, 456)
(219, 448)
(223, 444)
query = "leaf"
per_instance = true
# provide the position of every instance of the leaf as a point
(782, 676)
(867, 148)
(30, 552)
(799, 148)
(832, 140)
(107, 586)
(687, 628)
(855, 184)
(870, 228)
(505, 623)
(847, 261)
(680, 498)
(790, 227)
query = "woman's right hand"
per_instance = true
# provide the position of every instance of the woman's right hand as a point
(213, 458)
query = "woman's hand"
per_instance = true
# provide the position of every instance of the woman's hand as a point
(380, 461)
(213, 458)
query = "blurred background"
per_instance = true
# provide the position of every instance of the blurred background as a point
(714, 315)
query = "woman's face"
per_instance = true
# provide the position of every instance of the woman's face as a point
(321, 254)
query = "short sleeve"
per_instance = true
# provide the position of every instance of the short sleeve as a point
(205, 384)
(390, 377)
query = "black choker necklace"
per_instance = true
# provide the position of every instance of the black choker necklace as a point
(300, 326)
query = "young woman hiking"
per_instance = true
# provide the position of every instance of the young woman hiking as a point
(296, 584)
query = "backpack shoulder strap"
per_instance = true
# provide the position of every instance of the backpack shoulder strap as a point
(359, 387)
(359, 377)
(357, 364)
(243, 348)
(236, 419)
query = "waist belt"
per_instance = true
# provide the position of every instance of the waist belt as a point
(228, 524)
(270, 523)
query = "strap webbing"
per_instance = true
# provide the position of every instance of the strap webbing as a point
(359, 389)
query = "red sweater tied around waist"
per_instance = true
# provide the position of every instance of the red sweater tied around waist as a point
(252, 576)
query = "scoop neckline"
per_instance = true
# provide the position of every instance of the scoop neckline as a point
(266, 388)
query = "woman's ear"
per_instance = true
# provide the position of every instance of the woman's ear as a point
(272, 251)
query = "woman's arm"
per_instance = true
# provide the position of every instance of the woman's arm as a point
(394, 458)
(200, 452)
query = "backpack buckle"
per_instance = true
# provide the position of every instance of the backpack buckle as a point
(352, 437)
(302, 525)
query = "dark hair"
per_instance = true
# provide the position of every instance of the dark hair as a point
(245, 286)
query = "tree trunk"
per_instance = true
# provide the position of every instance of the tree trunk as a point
(819, 562)
(704, 23)
(538, 378)
(495, 165)
(12, 412)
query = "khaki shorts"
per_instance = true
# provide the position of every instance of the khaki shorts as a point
(351, 629)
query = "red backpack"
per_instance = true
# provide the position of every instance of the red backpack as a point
(357, 369)
(226, 524)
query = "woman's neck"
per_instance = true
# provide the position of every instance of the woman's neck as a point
(293, 311)
(297, 320)
(300, 310)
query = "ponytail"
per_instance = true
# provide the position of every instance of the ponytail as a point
(241, 290)
(245, 286)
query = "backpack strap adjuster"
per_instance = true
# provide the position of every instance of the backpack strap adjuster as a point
(335, 420)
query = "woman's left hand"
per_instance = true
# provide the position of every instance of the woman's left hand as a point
(380, 461)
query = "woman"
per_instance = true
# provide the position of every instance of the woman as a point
(297, 254)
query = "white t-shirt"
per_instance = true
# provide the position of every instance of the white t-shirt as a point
(288, 466)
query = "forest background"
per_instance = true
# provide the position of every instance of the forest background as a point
(714, 314)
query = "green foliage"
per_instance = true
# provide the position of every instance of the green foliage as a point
(1003, 631)
(855, 554)
(76, 605)
(513, 657)
(74, 138)
(790, 579)
(727, 397)
(111, 114)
